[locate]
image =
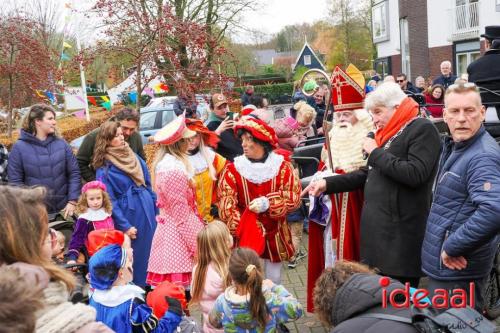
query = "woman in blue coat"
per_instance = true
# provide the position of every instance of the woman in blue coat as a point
(129, 186)
(41, 157)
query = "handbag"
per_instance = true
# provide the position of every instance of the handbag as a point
(249, 234)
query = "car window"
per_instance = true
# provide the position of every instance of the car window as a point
(167, 117)
(148, 120)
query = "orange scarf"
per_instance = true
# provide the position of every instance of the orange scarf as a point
(402, 115)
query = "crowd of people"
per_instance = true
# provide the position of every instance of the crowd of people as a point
(214, 218)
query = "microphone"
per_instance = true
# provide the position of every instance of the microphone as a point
(370, 135)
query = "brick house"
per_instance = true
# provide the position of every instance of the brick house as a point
(415, 36)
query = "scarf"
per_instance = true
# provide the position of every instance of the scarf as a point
(402, 115)
(125, 160)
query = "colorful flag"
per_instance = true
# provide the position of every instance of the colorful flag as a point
(105, 98)
(107, 105)
(51, 97)
(39, 94)
(64, 57)
(92, 100)
(66, 45)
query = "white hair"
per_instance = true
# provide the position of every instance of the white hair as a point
(388, 94)
(446, 62)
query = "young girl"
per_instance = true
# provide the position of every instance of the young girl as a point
(211, 272)
(251, 304)
(94, 207)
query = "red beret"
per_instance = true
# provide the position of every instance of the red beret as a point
(97, 239)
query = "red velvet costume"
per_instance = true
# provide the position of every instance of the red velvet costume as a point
(347, 95)
(243, 181)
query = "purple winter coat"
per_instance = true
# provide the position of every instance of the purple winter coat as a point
(48, 163)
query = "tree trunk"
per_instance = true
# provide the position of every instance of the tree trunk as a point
(138, 85)
(9, 107)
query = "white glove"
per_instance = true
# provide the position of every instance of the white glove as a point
(259, 205)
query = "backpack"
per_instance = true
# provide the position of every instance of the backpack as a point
(430, 320)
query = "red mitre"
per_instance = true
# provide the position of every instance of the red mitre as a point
(346, 93)
(209, 138)
(97, 239)
(173, 132)
(259, 130)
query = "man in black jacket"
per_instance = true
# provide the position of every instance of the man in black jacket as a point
(221, 122)
(485, 71)
(446, 78)
(402, 162)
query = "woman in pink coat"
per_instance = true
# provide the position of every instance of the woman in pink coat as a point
(174, 242)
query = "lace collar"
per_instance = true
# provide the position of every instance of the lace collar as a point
(117, 295)
(169, 163)
(259, 173)
(199, 163)
(94, 215)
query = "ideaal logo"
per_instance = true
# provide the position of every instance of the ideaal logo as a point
(419, 297)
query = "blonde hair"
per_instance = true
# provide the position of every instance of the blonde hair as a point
(211, 249)
(204, 152)
(82, 205)
(25, 225)
(176, 149)
(305, 111)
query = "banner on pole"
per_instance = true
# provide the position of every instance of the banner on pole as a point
(74, 99)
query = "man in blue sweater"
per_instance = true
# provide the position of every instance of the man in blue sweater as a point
(462, 233)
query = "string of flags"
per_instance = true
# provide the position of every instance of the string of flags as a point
(101, 100)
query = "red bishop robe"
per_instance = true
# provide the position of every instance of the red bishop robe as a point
(345, 225)
(235, 192)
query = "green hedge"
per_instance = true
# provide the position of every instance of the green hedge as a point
(275, 93)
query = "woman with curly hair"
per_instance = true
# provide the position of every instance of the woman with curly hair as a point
(128, 184)
(347, 291)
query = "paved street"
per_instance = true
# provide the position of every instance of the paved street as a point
(295, 280)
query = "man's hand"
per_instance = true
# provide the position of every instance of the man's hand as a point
(369, 145)
(69, 210)
(458, 263)
(224, 125)
(315, 188)
(132, 233)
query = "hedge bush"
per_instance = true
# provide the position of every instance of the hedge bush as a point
(275, 93)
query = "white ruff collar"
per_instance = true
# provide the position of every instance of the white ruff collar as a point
(257, 172)
(94, 215)
(169, 163)
(117, 295)
(199, 163)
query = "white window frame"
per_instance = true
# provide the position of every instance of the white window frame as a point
(307, 60)
(469, 59)
(405, 47)
(381, 8)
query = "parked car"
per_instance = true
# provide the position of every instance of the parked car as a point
(152, 119)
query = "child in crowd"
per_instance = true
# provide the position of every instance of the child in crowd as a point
(211, 272)
(119, 304)
(252, 304)
(60, 246)
(94, 209)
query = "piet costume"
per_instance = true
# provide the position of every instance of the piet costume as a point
(334, 228)
(200, 159)
(92, 219)
(122, 307)
(270, 184)
(174, 242)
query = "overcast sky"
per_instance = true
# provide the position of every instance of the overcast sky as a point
(276, 14)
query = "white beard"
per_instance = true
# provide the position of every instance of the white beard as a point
(347, 145)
